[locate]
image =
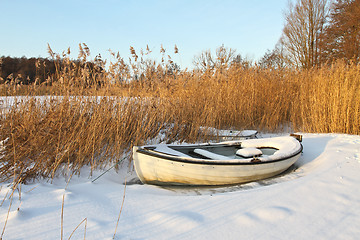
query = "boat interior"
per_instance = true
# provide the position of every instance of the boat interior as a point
(221, 152)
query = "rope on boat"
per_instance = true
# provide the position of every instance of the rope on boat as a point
(118, 162)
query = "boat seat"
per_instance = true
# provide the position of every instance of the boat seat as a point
(249, 152)
(210, 155)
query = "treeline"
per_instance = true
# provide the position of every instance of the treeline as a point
(36, 71)
(24, 70)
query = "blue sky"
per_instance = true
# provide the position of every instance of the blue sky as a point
(250, 27)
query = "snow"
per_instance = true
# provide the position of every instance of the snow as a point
(319, 198)
(286, 146)
(249, 152)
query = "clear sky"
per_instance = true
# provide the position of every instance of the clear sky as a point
(249, 27)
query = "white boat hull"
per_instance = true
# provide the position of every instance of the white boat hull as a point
(153, 170)
(215, 164)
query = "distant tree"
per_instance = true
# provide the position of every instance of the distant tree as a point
(238, 60)
(223, 58)
(27, 70)
(204, 60)
(8, 66)
(304, 23)
(341, 37)
(273, 59)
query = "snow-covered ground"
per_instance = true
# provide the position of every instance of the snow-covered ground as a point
(319, 198)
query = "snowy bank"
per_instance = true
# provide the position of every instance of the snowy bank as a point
(319, 198)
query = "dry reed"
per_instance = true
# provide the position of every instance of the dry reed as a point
(122, 204)
(330, 100)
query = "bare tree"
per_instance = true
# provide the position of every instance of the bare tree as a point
(223, 58)
(204, 60)
(273, 59)
(304, 23)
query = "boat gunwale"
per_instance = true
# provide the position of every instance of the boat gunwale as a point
(203, 161)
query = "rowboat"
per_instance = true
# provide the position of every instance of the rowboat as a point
(223, 163)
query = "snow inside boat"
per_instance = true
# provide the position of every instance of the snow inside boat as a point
(221, 163)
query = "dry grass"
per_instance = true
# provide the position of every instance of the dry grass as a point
(329, 100)
(43, 135)
(61, 134)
